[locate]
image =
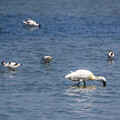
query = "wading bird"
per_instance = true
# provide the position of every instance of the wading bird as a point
(30, 22)
(84, 75)
(10, 65)
(46, 59)
(110, 55)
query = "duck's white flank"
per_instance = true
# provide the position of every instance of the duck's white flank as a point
(84, 75)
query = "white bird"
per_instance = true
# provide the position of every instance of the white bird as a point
(10, 65)
(30, 22)
(46, 59)
(110, 54)
(84, 75)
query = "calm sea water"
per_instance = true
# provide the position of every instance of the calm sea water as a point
(77, 34)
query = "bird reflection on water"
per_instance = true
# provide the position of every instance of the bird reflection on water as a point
(76, 88)
(8, 73)
(81, 97)
(110, 61)
(32, 28)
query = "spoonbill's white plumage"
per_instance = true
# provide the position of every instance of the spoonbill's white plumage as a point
(110, 55)
(46, 59)
(11, 65)
(84, 75)
(30, 22)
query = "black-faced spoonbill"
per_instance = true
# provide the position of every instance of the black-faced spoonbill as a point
(84, 75)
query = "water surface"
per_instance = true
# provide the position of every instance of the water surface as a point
(77, 34)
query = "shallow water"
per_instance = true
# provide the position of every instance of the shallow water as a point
(77, 34)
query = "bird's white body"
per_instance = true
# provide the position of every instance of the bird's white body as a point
(30, 22)
(79, 74)
(11, 65)
(110, 54)
(84, 75)
(46, 59)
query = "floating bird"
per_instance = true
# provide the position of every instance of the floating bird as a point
(84, 75)
(46, 59)
(110, 55)
(30, 22)
(10, 65)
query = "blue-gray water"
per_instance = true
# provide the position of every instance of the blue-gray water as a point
(77, 34)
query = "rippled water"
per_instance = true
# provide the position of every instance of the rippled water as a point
(77, 34)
